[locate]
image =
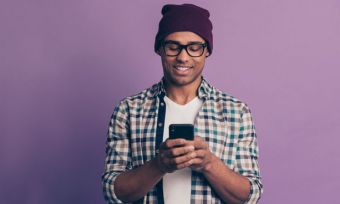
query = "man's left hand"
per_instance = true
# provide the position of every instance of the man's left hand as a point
(204, 158)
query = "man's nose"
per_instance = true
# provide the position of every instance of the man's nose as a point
(183, 55)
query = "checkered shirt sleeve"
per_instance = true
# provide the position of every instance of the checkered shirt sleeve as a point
(247, 155)
(118, 152)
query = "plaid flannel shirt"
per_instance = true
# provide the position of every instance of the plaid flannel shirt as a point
(223, 121)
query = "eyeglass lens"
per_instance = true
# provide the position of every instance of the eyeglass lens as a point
(194, 50)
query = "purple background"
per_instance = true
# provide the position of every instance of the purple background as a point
(65, 64)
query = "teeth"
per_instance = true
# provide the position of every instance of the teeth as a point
(182, 68)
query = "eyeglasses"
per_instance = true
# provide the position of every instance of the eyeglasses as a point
(173, 49)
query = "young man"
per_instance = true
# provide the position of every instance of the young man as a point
(219, 165)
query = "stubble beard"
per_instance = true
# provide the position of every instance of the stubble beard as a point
(178, 82)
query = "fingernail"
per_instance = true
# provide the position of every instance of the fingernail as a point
(193, 155)
(191, 148)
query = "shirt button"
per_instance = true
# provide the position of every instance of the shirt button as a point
(162, 104)
(160, 124)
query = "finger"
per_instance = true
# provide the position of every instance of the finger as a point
(201, 153)
(189, 142)
(195, 162)
(183, 159)
(200, 143)
(170, 143)
(178, 151)
(175, 164)
(183, 165)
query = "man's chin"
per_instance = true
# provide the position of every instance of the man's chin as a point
(181, 81)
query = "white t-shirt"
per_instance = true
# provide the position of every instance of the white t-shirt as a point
(177, 185)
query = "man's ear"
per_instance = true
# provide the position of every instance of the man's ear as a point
(207, 54)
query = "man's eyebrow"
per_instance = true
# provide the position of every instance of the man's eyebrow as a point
(190, 42)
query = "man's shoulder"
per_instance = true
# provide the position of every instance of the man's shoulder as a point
(141, 97)
(229, 102)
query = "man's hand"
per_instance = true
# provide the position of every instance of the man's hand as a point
(175, 154)
(203, 158)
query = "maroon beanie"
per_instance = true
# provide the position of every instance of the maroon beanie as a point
(185, 17)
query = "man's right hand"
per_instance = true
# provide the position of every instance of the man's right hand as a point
(175, 154)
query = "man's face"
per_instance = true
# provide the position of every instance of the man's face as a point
(183, 69)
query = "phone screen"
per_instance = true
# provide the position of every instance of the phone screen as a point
(185, 131)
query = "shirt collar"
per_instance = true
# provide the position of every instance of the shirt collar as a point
(203, 91)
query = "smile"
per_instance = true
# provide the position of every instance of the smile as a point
(182, 68)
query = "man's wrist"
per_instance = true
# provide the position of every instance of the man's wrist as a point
(155, 163)
(213, 164)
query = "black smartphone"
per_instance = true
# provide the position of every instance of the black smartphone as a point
(185, 131)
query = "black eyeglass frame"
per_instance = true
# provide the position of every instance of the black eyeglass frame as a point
(181, 47)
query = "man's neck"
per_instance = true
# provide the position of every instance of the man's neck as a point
(182, 94)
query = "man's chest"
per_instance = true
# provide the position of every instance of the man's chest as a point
(212, 122)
